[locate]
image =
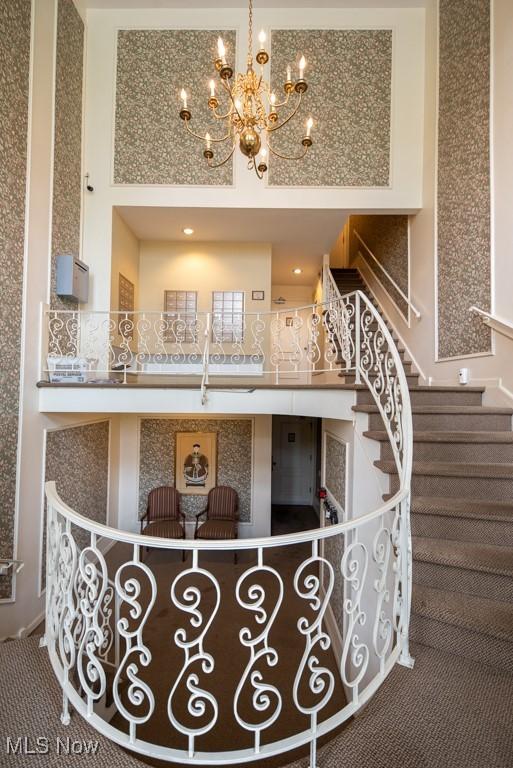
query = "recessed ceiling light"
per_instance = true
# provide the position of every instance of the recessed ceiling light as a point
(188, 231)
(297, 271)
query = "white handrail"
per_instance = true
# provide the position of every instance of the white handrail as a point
(401, 293)
(498, 324)
(138, 539)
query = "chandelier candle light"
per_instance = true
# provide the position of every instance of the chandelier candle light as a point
(251, 114)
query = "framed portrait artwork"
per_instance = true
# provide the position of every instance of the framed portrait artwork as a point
(196, 462)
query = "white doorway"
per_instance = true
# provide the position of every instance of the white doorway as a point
(294, 460)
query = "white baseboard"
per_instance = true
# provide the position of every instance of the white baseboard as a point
(25, 631)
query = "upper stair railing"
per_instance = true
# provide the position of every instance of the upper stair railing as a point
(321, 616)
(496, 323)
(388, 276)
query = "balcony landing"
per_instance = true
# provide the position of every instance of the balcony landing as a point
(159, 394)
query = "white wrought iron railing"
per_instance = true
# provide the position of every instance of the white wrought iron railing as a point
(411, 306)
(349, 585)
(279, 344)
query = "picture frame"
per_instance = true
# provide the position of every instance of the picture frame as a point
(257, 295)
(195, 462)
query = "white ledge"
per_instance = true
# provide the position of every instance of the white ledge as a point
(334, 403)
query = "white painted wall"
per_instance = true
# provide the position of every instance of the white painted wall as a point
(125, 259)
(247, 192)
(492, 370)
(295, 295)
(204, 267)
(260, 524)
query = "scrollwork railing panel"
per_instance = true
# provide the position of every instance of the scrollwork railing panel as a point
(202, 705)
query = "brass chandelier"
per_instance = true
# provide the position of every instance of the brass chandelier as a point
(251, 115)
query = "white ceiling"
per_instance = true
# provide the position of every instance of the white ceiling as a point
(134, 4)
(298, 237)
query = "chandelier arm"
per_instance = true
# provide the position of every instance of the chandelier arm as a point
(202, 138)
(266, 88)
(230, 94)
(223, 162)
(287, 119)
(222, 117)
(287, 157)
(283, 103)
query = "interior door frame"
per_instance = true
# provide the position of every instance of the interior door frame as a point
(313, 451)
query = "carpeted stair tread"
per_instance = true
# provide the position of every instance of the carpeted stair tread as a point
(450, 469)
(444, 409)
(434, 388)
(486, 558)
(464, 508)
(489, 617)
(428, 436)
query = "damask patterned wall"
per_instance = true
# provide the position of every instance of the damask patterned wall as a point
(67, 161)
(234, 458)
(350, 75)
(387, 237)
(464, 261)
(335, 480)
(77, 459)
(151, 143)
(14, 94)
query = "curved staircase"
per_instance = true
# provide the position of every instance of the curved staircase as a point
(461, 511)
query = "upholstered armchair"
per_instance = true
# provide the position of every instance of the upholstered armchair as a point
(163, 515)
(222, 515)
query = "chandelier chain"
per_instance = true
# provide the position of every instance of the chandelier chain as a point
(250, 33)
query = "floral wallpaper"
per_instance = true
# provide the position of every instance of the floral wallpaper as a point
(387, 237)
(234, 458)
(335, 468)
(151, 142)
(77, 459)
(335, 481)
(333, 552)
(463, 204)
(67, 159)
(349, 74)
(15, 19)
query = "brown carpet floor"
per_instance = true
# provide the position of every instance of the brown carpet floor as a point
(446, 713)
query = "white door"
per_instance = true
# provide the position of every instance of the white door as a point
(293, 460)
